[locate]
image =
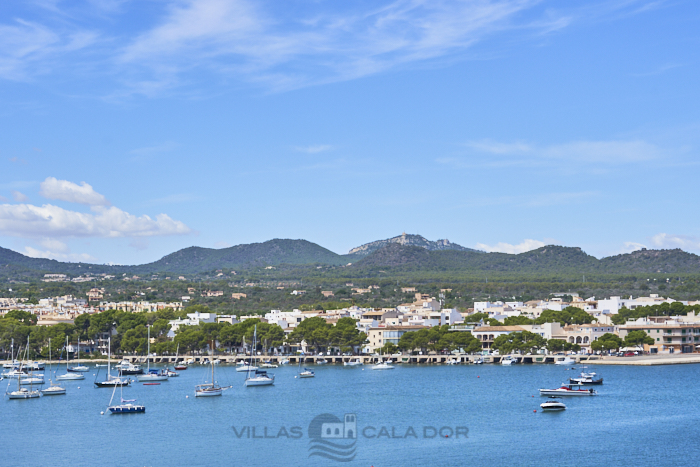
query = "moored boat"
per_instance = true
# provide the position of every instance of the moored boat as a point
(567, 390)
(553, 404)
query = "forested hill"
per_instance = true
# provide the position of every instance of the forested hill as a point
(548, 259)
(270, 253)
(299, 255)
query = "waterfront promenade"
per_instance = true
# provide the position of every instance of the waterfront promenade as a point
(641, 360)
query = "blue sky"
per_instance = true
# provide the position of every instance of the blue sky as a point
(131, 129)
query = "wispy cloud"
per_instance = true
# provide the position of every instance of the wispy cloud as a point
(686, 242)
(19, 196)
(314, 149)
(629, 247)
(73, 257)
(501, 247)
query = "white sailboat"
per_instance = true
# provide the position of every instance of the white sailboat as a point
(306, 373)
(259, 377)
(22, 393)
(383, 366)
(211, 388)
(151, 375)
(53, 389)
(111, 380)
(355, 362)
(78, 368)
(69, 376)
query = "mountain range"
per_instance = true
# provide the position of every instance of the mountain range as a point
(402, 254)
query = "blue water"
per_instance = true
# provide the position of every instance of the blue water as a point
(643, 416)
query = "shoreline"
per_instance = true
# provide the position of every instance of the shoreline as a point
(643, 360)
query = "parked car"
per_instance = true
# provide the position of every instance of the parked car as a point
(630, 354)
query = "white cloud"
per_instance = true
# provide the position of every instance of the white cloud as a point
(63, 190)
(601, 152)
(686, 242)
(54, 245)
(314, 149)
(526, 245)
(75, 257)
(25, 43)
(26, 220)
(304, 47)
(19, 197)
(629, 247)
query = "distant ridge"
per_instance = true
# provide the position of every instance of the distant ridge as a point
(408, 240)
(415, 255)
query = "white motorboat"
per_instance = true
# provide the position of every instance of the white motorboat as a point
(14, 374)
(268, 365)
(452, 361)
(242, 367)
(508, 360)
(151, 375)
(355, 362)
(125, 367)
(479, 361)
(284, 361)
(553, 404)
(216, 361)
(259, 377)
(564, 361)
(567, 390)
(383, 366)
(321, 361)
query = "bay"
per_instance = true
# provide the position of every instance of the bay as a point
(643, 416)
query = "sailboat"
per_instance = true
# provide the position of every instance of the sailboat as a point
(68, 376)
(260, 377)
(53, 389)
(126, 405)
(27, 377)
(212, 388)
(182, 366)
(111, 380)
(151, 375)
(306, 373)
(22, 393)
(78, 368)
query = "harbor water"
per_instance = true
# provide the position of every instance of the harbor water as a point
(410, 416)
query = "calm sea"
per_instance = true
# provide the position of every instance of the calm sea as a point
(644, 416)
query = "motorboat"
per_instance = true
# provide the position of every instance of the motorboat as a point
(321, 361)
(553, 404)
(242, 367)
(153, 375)
(508, 360)
(125, 367)
(383, 366)
(268, 364)
(171, 373)
(260, 378)
(564, 361)
(452, 361)
(587, 380)
(284, 361)
(355, 362)
(35, 366)
(567, 390)
(479, 361)
(14, 374)
(180, 367)
(14, 364)
(216, 361)
(31, 379)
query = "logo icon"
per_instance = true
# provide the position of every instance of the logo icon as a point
(333, 438)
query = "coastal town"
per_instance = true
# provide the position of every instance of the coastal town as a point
(676, 331)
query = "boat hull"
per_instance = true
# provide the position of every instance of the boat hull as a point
(54, 392)
(23, 395)
(245, 368)
(70, 377)
(111, 384)
(78, 369)
(259, 382)
(122, 409)
(150, 378)
(586, 381)
(555, 392)
(208, 393)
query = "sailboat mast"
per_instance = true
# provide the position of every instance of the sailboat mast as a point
(148, 352)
